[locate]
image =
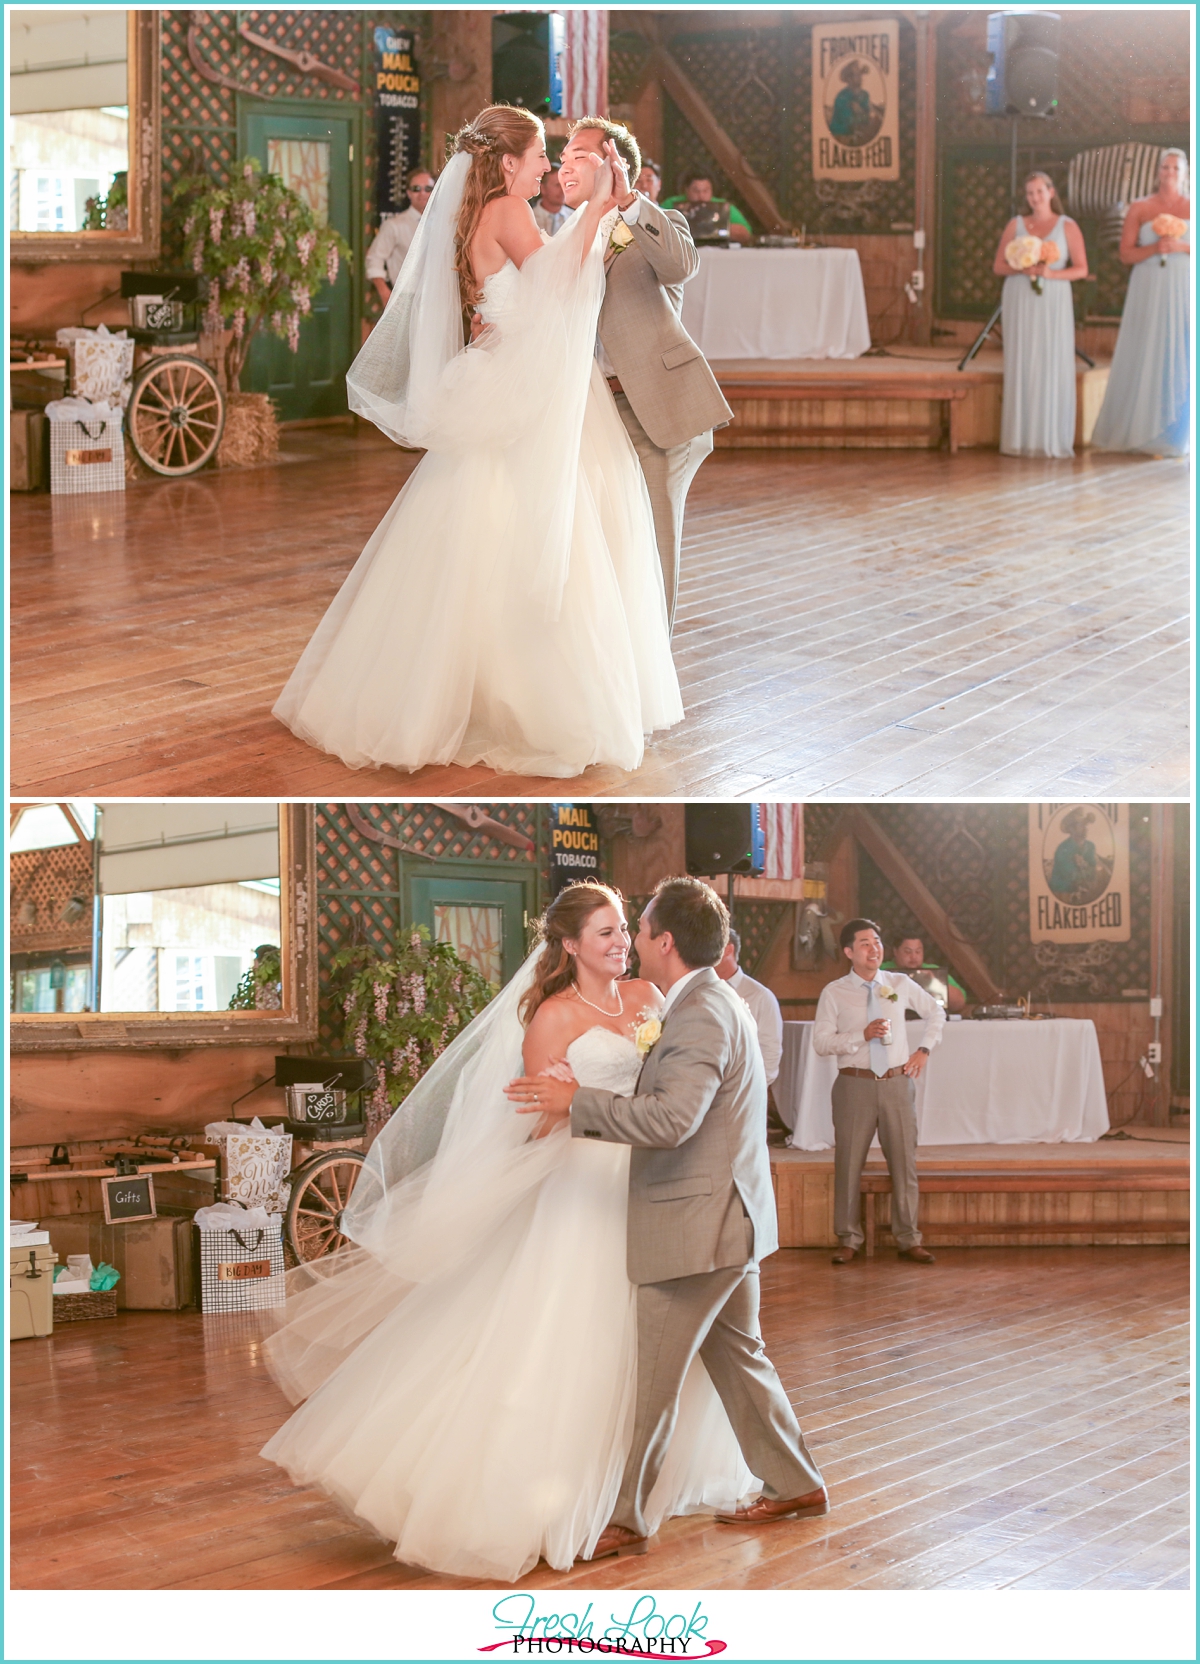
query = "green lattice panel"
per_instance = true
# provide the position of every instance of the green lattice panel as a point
(628, 54)
(758, 83)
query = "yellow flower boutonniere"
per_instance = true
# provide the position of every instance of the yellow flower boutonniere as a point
(620, 237)
(646, 1035)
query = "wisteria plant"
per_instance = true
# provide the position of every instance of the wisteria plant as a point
(264, 252)
(403, 1009)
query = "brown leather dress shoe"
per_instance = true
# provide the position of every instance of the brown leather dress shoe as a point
(844, 1256)
(769, 1509)
(919, 1256)
(614, 1540)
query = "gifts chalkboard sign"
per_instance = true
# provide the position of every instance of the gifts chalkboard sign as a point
(128, 1198)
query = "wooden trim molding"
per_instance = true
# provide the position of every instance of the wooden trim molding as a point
(143, 238)
(295, 1024)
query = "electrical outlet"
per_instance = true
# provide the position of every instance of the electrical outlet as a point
(918, 281)
(1154, 1051)
(1156, 1007)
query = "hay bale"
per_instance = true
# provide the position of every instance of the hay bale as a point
(251, 431)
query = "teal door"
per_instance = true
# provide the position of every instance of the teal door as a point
(314, 155)
(482, 918)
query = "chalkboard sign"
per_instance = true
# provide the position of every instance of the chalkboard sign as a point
(397, 117)
(127, 1199)
(574, 844)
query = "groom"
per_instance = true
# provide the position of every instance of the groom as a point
(701, 1215)
(666, 394)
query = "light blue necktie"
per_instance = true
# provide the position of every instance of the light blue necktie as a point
(879, 1052)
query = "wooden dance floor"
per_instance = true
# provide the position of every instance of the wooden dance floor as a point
(1008, 1418)
(852, 624)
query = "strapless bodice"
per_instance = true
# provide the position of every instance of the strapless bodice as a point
(606, 1060)
(499, 293)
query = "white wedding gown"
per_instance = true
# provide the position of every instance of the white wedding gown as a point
(484, 1422)
(438, 647)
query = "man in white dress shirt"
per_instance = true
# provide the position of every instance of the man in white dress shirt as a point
(764, 1007)
(550, 210)
(860, 1021)
(394, 237)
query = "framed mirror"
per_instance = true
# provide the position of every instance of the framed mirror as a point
(145, 924)
(83, 135)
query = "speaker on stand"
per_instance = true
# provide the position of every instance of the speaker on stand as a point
(527, 60)
(724, 838)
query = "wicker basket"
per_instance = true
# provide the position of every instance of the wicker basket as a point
(82, 1308)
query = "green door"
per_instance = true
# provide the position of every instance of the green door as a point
(314, 155)
(482, 919)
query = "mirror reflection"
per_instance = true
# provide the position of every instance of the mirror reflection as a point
(135, 907)
(68, 141)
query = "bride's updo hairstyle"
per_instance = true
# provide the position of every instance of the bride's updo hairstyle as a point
(560, 923)
(500, 130)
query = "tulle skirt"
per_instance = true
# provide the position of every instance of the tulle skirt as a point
(485, 1420)
(437, 649)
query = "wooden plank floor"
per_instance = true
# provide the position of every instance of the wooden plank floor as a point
(852, 625)
(1010, 1418)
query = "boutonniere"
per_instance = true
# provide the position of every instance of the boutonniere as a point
(620, 237)
(646, 1035)
(886, 993)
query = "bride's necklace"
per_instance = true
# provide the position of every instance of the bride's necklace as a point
(619, 1012)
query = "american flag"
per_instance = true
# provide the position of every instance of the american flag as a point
(783, 835)
(585, 63)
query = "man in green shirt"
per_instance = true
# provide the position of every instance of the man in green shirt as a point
(698, 187)
(909, 956)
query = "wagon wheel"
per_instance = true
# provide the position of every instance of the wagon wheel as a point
(320, 1191)
(176, 414)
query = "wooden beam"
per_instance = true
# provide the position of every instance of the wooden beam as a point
(925, 184)
(460, 75)
(730, 159)
(896, 868)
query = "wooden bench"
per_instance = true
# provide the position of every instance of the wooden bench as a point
(1052, 1179)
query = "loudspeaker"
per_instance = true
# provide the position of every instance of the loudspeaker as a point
(527, 54)
(723, 837)
(1022, 79)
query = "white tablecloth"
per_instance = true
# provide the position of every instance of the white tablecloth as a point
(777, 303)
(986, 1083)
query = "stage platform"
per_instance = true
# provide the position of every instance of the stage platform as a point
(1135, 1189)
(910, 398)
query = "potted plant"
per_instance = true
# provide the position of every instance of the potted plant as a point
(265, 254)
(261, 987)
(402, 1009)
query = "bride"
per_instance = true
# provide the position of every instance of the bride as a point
(509, 608)
(469, 1368)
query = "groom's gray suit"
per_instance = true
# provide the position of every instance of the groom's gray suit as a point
(701, 1216)
(668, 397)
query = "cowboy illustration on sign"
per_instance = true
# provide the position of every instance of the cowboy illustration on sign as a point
(856, 102)
(1078, 872)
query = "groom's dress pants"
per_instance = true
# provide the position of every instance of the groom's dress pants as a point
(716, 1314)
(668, 475)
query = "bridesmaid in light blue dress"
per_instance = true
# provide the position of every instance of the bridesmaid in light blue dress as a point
(1147, 406)
(1037, 416)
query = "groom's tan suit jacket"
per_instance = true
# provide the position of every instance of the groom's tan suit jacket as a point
(698, 1127)
(664, 374)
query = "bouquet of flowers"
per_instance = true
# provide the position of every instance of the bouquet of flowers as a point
(1167, 225)
(1024, 252)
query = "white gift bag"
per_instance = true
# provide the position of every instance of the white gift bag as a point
(241, 1266)
(255, 1164)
